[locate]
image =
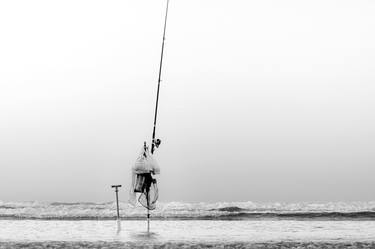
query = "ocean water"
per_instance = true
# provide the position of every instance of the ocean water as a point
(188, 225)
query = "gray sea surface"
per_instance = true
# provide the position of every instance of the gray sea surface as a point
(188, 225)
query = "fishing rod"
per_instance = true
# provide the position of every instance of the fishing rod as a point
(156, 143)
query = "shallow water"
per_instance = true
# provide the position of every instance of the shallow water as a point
(188, 225)
(187, 231)
(116, 245)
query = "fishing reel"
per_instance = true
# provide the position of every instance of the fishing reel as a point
(157, 142)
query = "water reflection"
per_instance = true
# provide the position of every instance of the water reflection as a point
(144, 236)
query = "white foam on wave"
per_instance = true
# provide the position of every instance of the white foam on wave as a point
(44, 210)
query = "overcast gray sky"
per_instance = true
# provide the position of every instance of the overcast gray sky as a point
(260, 100)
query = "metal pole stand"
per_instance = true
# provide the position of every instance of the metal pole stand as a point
(148, 221)
(118, 210)
(148, 210)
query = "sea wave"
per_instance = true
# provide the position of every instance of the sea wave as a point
(182, 210)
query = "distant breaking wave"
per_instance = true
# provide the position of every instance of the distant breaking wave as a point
(233, 216)
(186, 211)
(370, 215)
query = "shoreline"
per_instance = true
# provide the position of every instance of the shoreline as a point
(177, 244)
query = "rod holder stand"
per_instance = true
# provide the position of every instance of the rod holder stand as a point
(116, 190)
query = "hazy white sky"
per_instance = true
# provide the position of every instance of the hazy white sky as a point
(260, 100)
